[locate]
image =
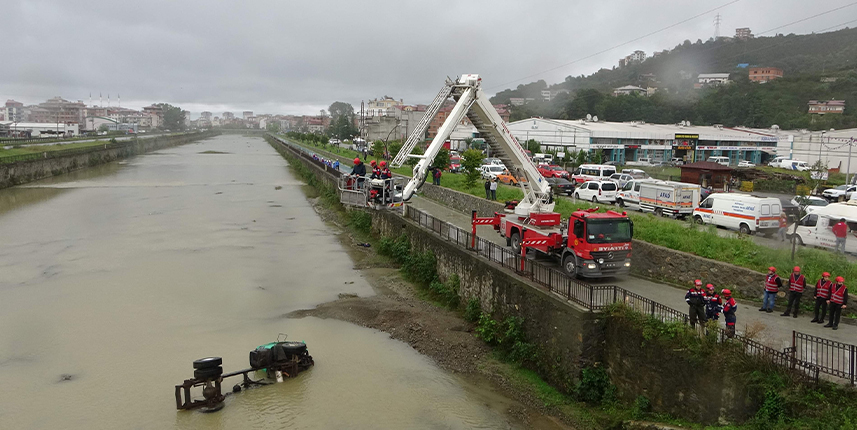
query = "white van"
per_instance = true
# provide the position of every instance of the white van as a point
(719, 160)
(742, 212)
(593, 172)
(815, 228)
(547, 158)
(629, 195)
(792, 165)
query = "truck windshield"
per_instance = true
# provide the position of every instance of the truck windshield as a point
(608, 230)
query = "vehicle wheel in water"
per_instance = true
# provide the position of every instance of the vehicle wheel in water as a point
(208, 373)
(569, 264)
(744, 229)
(207, 362)
(516, 242)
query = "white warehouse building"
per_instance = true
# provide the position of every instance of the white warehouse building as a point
(621, 142)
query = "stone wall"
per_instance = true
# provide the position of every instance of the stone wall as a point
(27, 171)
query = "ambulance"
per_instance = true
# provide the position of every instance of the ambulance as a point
(815, 229)
(743, 212)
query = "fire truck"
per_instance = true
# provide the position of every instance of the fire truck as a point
(588, 244)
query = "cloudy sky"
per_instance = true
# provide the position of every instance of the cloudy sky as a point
(296, 57)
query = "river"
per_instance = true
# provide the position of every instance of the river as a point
(115, 278)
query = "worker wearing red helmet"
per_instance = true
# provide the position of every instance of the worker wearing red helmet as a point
(385, 172)
(729, 308)
(797, 283)
(712, 303)
(376, 172)
(837, 302)
(359, 170)
(822, 295)
(773, 283)
(695, 298)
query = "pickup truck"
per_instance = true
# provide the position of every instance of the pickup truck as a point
(640, 162)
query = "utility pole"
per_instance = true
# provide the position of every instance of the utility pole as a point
(848, 169)
(717, 21)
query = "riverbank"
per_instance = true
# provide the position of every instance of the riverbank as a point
(34, 166)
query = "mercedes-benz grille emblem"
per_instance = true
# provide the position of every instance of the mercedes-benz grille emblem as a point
(609, 255)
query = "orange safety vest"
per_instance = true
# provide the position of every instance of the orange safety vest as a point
(797, 284)
(771, 284)
(838, 295)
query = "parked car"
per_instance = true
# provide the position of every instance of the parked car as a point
(559, 172)
(676, 161)
(724, 161)
(745, 163)
(640, 162)
(561, 186)
(508, 179)
(491, 171)
(842, 192)
(597, 191)
(809, 203)
(621, 179)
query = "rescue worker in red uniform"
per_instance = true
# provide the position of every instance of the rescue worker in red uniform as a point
(773, 283)
(837, 302)
(376, 172)
(695, 298)
(822, 295)
(797, 283)
(712, 303)
(729, 308)
(385, 173)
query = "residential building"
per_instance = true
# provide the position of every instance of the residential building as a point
(14, 111)
(743, 33)
(635, 57)
(227, 116)
(765, 74)
(628, 90)
(58, 110)
(383, 106)
(546, 95)
(206, 115)
(155, 111)
(822, 107)
(711, 79)
(247, 114)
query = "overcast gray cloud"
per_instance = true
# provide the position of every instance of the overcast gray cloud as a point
(282, 56)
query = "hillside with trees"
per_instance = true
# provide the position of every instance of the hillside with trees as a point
(805, 59)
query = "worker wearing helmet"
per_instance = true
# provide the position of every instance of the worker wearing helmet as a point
(712, 303)
(773, 283)
(729, 308)
(837, 302)
(359, 170)
(695, 298)
(822, 295)
(797, 283)
(376, 172)
(385, 172)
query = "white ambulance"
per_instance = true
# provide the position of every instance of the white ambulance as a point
(742, 212)
(815, 229)
(593, 172)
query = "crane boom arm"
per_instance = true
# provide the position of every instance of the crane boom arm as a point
(472, 103)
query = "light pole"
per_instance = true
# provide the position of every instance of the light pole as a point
(820, 144)
(848, 169)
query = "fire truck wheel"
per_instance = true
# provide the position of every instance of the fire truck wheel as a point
(209, 373)
(569, 264)
(516, 242)
(207, 362)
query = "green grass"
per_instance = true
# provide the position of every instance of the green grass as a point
(21, 150)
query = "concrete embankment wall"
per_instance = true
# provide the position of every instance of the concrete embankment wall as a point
(27, 171)
(570, 338)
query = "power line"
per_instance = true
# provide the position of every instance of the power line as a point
(808, 18)
(616, 46)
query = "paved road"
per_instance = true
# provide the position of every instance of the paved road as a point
(777, 332)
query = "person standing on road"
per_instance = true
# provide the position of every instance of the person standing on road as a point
(488, 189)
(773, 283)
(797, 283)
(712, 303)
(837, 302)
(840, 230)
(729, 308)
(494, 189)
(822, 295)
(695, 298)
(784, 226)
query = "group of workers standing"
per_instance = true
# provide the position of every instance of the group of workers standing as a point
(827, 294)
(706, 304)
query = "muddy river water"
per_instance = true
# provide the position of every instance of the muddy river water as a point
(113, 279)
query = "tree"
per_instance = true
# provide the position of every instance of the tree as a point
(470, 162)
(342, 120)
(441, 161)
(273, 126)
(103, 128)
(174, 117)
(533, 146)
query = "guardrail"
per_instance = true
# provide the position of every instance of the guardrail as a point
(811, 356)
